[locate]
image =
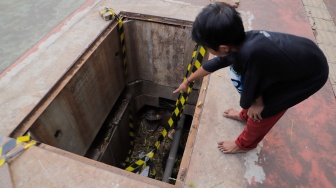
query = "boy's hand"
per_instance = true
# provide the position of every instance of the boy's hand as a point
(183, 87)
(254, 112)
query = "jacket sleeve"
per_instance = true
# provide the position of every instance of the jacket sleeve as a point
(216, 63)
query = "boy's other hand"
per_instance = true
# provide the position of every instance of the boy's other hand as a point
(183, 87)
(254, 112)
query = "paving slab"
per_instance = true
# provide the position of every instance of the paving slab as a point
(331, 6)
(322, 20)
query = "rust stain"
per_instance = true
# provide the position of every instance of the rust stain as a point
(306, 159)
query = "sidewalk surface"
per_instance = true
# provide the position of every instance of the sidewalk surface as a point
(298, 152)
(300, 149)
(25, 24)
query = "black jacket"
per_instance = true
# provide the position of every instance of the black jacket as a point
(284, 69)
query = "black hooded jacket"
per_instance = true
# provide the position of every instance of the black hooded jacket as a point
(284, 69)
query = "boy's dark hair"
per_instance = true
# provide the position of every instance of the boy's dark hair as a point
(218, 24)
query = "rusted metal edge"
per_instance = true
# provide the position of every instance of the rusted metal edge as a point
(157, 19)
(28, 121)
(106, 167)
(180, 181)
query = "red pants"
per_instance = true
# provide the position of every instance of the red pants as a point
(255, 131)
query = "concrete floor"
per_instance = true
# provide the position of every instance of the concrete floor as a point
(288, 156)
(298, 152)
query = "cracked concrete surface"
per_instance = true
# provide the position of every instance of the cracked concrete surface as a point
(324, 29)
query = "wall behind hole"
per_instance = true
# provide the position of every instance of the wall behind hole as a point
(158, 56)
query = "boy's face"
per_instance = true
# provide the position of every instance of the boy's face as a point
(223, 50)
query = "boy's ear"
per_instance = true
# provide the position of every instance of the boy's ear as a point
(223, 48)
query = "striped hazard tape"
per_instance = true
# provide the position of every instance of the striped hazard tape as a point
(122, 41)
(123, 51)
(11, 144)
(109, 14)
(131, 140)
(197, 58)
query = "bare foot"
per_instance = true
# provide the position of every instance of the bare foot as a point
(232, 114)
(232, 3)
(229, 147)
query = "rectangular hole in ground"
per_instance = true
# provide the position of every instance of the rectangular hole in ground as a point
(111, 143)
(90, 115)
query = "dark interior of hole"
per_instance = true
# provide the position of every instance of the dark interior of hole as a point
(148, 125)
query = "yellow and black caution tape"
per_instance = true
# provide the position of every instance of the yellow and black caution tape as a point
(197, 58)
(123, 51)
(131, 141)
(151, 171)
(107, 13)
(11, 144)
(122, 42)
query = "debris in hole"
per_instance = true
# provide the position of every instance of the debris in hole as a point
(150, 126)
(147, 134)
(151, 115)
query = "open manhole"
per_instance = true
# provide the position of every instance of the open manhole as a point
(91, 109)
